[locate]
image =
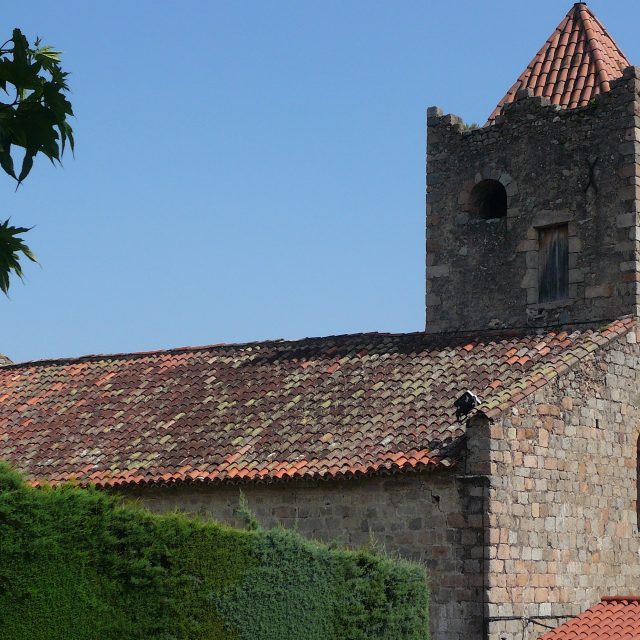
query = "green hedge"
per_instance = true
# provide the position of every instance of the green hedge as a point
(76, 564)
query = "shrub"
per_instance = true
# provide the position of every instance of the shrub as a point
(77, 564)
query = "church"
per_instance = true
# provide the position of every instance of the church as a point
(498, 447)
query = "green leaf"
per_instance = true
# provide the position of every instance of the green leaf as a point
(6, 161)
(27, 164)
(69, 133)
(20, 48)
(11, 248)
(34, 116)
(37, 119)
(47, 53)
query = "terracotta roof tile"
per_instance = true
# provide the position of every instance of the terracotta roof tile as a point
(271, 410)
(578, 61)
(614, 618)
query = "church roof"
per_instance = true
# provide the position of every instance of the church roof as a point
(614, 618)
(577, 62)
(316, 408)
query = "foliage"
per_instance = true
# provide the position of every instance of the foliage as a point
(76, 564)
(244, 513)
(34, 117)
(10, 248)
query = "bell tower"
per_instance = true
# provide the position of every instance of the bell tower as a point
(532, 220)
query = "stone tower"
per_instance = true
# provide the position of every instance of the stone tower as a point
(532, 220)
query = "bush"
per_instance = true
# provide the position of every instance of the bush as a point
(77, 564)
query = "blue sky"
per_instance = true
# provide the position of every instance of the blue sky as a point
(250, 170)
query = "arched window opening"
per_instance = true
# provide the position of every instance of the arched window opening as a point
(489, 200)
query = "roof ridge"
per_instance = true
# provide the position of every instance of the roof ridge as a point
(120, 355)
(605, 31)
(506, 332)
(586, 16)
(620, 599)
(543, 373)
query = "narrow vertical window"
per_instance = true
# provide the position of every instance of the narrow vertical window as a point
(553, 265)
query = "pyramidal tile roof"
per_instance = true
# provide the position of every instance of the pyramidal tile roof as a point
(318, 408)
(576, 63)
(614, 618)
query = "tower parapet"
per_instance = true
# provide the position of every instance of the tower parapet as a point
(533, 220)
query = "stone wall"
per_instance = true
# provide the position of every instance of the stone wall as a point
(579, 167)
(562, 525)
(535, 526)
(434, 518)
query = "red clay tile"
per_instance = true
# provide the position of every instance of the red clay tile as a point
(614, 618)
(269, 411)
(586, 53)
